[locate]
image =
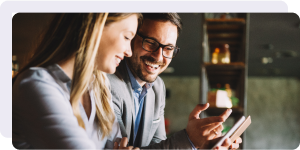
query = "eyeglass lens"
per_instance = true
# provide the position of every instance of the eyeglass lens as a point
(152, 45)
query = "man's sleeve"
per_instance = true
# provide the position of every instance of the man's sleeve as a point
(178, 140)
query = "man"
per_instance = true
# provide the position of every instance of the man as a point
(139, 94)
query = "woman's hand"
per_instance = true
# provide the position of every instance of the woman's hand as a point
(123, 145)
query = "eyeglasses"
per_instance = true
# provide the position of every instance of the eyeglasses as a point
(152, 45)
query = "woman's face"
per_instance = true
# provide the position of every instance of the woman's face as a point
(115, 43)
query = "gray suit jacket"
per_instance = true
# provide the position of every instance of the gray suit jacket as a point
(153, 132)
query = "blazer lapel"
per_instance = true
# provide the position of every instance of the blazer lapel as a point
(123, 74)
(148, 115)
(130, 109)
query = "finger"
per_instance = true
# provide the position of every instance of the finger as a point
(220, 128)
(210, 120)
(238, 140)
(116, 145)
(212, 135)
(221, 148)
(213, 142)
(123, 142)
(136, 148)
(129, 147)
(197, 110)
(210, 128)
(227, 143)
(226, 114)
(217, 132)
(234, 146)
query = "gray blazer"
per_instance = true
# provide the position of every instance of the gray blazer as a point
(153, 132)
(42, 116)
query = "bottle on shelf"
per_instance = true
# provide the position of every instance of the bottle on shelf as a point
(15, 65)
(221, 55)
(228, 90)
(215, 54)
(234, 100)
(219, 97)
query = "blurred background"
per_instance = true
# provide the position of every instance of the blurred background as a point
(249, 62)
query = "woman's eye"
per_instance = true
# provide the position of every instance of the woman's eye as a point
(126, 38)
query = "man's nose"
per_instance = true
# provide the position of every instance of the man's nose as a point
(158, 54)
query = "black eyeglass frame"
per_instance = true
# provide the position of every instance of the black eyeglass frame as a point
(176, 48)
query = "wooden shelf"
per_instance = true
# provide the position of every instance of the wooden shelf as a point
(230, 66)
(224, 35)
(227, 31)
(224, 73)
(234, 33)
(234, 20)
(214, 111)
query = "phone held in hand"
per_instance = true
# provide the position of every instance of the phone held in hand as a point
(238, 128)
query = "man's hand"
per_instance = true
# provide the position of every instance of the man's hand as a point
(226, 144)
(236, 143)
(201, 131)
(123, 145)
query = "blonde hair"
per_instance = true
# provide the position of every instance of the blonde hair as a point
(79, 35)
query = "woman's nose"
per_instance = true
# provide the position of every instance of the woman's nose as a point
(128, 52)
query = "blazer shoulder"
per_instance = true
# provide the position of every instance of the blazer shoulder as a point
(117, 85)
(159, 83)
(115, 81)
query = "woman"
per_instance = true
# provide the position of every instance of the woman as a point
(61, 98)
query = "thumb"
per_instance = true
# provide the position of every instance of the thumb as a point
(123, 142)
(197, 110)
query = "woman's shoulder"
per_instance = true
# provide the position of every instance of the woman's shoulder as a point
(34, 74)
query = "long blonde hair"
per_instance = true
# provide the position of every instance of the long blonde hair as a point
(79, 34)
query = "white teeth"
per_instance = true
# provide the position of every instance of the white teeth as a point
(152, 65)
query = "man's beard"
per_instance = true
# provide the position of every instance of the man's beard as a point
(136, 67)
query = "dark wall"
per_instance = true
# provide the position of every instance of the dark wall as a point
(186, 63)
(282, 30)
(26, 30)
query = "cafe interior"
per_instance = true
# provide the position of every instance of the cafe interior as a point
(249, 62)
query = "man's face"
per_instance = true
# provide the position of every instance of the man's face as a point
(148, 65)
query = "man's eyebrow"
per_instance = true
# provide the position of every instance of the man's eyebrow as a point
(153, 38)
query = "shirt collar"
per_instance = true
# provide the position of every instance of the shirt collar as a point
(58, 72)
(134, 83)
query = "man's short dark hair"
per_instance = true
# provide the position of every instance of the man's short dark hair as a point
(174, 18)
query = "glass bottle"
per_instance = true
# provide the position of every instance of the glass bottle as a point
(224, 55)
(215, 55)
(221, 55)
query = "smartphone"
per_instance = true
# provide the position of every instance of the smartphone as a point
(241, 129)
(230, 132)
